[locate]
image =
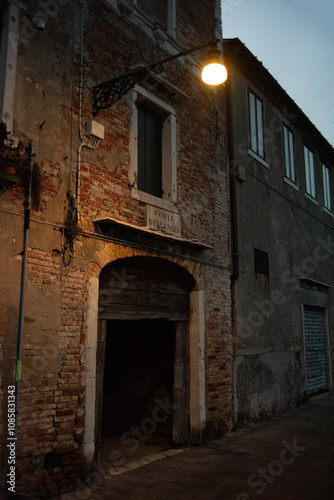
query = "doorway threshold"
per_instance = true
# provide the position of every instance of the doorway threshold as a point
(149, 451)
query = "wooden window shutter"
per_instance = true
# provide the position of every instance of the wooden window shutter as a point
(149, 151)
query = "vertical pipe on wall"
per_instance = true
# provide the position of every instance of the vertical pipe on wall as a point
(27, 203)
(232, 171)
(233, 187)
(82, 143)
(91, 144)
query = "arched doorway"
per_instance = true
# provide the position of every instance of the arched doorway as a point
(142, 381)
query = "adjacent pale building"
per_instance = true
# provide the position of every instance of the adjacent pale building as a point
(281, 171)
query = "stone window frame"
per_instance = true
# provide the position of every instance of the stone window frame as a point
(168, 201)
(8, 65)
(170, 21)
(130, 10)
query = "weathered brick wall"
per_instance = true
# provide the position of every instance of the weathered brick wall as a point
(219, 354)
(51, 425)
(51, 409)
(106, 194)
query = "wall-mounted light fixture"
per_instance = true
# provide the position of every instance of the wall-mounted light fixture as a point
(214, 72)
(108, 93)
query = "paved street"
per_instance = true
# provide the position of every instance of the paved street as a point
(290, 457)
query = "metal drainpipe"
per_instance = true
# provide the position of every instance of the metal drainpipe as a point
(234, 217)
(233, 189)
(22, 292)
(90, 144)
(82, 142)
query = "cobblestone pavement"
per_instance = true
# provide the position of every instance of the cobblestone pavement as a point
(289, 457)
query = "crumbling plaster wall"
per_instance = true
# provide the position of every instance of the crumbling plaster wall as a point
(273, 216)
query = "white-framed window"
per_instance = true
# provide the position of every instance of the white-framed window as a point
(326, 187)
(309, 172)
(152, 172)
(256, 124)
(289, 155)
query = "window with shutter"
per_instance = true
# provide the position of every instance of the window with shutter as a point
(153, 150)
(149, 151)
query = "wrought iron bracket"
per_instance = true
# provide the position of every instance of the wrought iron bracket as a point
(106, 94)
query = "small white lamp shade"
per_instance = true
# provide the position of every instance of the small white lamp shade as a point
(214, 72)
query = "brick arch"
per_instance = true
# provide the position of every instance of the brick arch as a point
(111, 254)
(158, 263)
(144, 287)
(164, 271)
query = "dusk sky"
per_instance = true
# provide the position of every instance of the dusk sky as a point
(294, 40)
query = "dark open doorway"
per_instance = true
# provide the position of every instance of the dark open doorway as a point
(139, 361)
(138, 380)
(142, 363)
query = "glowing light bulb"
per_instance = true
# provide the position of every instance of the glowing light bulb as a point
(214, 73)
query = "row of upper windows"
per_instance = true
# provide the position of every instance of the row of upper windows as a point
(257, 146)
(154, 122)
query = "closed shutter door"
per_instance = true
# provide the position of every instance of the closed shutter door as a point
(149, 151)
(316, 368)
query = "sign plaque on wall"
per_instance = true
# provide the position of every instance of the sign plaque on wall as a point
(163, 220)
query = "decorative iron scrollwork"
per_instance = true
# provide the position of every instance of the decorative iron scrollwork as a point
(108, 93)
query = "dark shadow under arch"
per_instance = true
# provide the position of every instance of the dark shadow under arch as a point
(154, 264)
(144, 287)
(144, 313)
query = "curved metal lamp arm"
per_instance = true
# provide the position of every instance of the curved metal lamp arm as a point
(107, 93)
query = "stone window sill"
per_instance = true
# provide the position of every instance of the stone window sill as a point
(291, 183)
(258, 158)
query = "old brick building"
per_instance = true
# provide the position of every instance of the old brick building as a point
(282, 218)
(127, 315)
(130, 329)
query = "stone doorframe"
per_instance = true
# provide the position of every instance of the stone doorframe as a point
(197, 408)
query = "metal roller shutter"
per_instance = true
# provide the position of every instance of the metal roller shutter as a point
(314, 330)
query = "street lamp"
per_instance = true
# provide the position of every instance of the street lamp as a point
(214, 72)
(107, 93)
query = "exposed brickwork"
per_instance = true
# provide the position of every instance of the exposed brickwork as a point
(50, 179)
(55, 354)
(51, 413)
(219, 356)
(106, 194)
